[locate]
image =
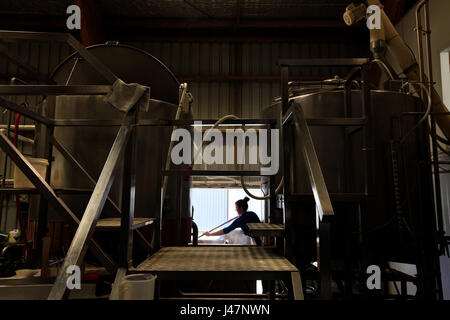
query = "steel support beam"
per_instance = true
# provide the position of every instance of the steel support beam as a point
(44, 151)
(317, 181)
(32, 71)
(67, 38)
(86, 123)
(128, 199)
(36, 36)
(241, 78)
(71, 159)
(93, 61)
(350, 62)
(47, 192)
(23, 111)
(297, 289)
(121, 273)
(343, 122)
(324, 258)
(93, 210)
(44, 90)
(219, 173)
(157, 122)
(220, 24)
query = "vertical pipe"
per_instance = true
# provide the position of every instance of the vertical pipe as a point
(183, 95)
(5, 168)
(419, 38)
(285, 149)
(285, 88)
(437, 183)
(48, 154)
(128, 198)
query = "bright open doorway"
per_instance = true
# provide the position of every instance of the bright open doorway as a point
(212, 207)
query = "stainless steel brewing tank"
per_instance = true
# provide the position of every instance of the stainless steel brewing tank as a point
(91, 145)
(347, 175)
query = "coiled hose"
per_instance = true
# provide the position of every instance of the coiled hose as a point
(242, 182)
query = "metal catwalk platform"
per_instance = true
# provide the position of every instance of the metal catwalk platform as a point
(114, 223)
(222, 263)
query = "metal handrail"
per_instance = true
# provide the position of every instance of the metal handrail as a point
(318, 186)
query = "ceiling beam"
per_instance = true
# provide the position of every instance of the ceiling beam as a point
(345, 37)
(253, 78)
(93, 18)
(220, 24)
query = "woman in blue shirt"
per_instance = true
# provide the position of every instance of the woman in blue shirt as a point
(241, 222)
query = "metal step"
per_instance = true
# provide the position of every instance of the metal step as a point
(109, 224)
(265, 230)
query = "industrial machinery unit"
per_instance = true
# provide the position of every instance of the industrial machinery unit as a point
(375, 162)
(84, 146)
(92, 144)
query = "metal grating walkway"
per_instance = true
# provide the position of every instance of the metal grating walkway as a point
(216, 258)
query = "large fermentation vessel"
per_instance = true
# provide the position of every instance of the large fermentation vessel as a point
(396, 179)
(91, 145)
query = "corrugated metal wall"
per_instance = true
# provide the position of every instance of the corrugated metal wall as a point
(44, 57)
(211, 62)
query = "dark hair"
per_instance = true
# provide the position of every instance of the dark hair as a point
(243, 203)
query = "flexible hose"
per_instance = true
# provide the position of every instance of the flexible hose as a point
(425, 116)
(218, 122)
(277, 190)
(384, 67)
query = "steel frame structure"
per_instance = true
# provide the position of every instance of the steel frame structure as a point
(293, 116)
(428, 273)
(124, 147)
